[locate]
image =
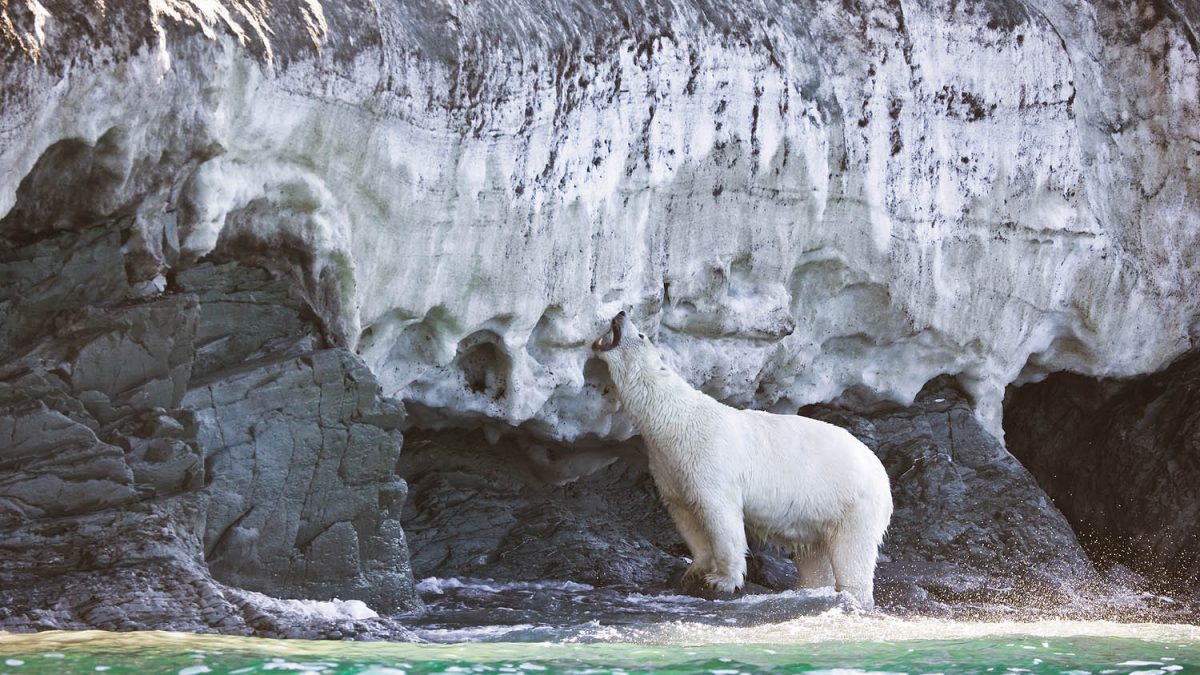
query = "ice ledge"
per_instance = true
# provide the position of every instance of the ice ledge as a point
(798, 203)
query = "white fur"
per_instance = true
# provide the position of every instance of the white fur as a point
(789, 480)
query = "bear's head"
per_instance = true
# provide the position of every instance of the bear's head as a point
(627, 351)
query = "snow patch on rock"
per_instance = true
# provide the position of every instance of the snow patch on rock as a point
(794, 207)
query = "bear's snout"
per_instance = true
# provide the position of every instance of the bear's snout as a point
(602, 344)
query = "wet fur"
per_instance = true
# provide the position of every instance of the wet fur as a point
(808, 486)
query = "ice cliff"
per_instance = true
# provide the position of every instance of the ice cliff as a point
(796, 198)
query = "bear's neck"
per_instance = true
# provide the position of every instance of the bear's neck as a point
(663, 406)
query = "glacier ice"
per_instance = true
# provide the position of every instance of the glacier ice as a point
(796, 199)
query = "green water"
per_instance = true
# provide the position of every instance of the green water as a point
(817, 644)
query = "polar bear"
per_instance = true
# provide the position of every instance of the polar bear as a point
(806, 485)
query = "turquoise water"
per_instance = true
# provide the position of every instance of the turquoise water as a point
(830, 643)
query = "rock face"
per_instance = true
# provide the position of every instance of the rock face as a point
(160, 454)
(303, 500)
(516, 513)
(796, 198)
(971, 527)
(1121, 458)
(971, 524)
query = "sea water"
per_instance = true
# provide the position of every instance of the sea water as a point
(480, 627)
(1055, 647)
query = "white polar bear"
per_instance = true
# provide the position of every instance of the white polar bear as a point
(806, 485)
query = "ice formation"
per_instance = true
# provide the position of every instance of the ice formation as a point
(796, 198)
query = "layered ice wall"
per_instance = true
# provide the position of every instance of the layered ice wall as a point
(795, 199)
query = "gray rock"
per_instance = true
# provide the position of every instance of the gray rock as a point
(245, 315)
(302, 500)
(1121, 458)
(64, 410)
(141, 568)
(490, 512)
(114, 569)
(54, 466)
(971, 526)
(115, 496)
(49, 278)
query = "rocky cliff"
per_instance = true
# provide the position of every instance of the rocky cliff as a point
(166, 460)
(233, 235)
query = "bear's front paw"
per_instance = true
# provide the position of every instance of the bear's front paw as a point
(693, 573)
(722, 583)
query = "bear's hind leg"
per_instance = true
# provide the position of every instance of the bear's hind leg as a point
(695, 538)
(853, 559)
(813, 569)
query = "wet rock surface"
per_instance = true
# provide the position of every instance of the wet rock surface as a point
(163, 456)
(972, 531)
(971, 527)
(489, 610)
(1121, 458)
(302, 499)
(505, 513)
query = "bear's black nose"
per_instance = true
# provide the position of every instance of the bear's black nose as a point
(621, 314)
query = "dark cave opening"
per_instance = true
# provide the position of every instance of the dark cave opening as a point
(1121, 460)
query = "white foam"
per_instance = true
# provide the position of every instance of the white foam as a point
(331, 610)
(436, 586)
(298, 666)
(483, 633)
(839, 625)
